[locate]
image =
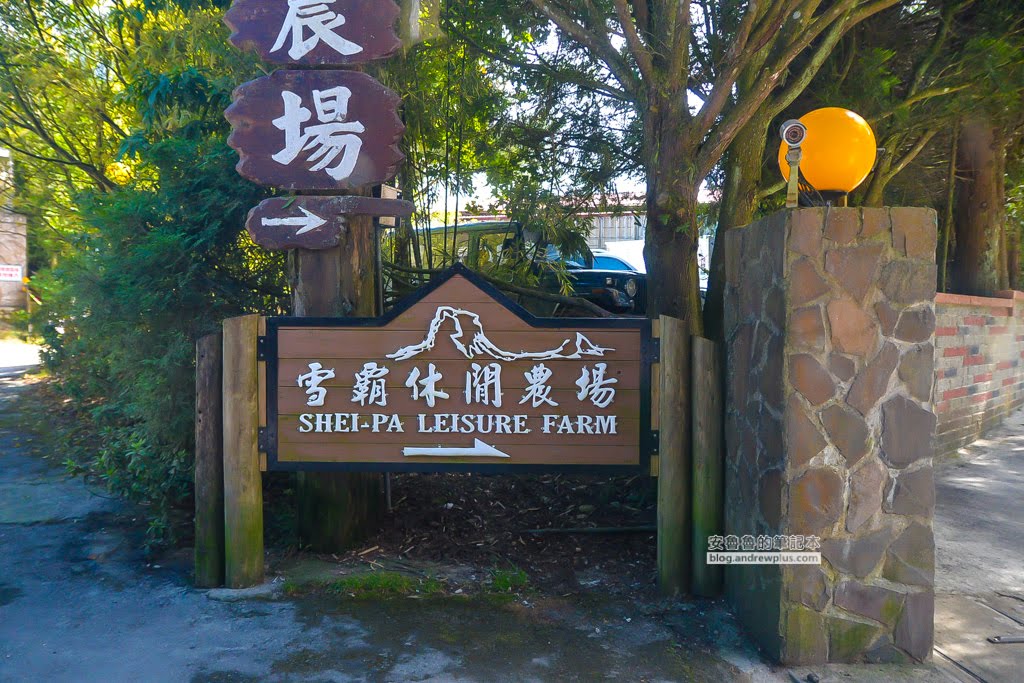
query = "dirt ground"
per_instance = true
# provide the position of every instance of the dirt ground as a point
(563, 532)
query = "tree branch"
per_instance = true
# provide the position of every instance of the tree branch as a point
(718, 141)
(633, 42)
(600, 46)
(544, 67)
(911, 154)
(766, 192)
(731, 67)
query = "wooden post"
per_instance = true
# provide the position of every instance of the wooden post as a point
(209, 464)
(707, 463)
(674, 459)
(336, 510)
(243, 489)
(655, 396)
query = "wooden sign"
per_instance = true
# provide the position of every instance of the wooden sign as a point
(314, 222)
(316, 130)
(457, 377)
(315, 32)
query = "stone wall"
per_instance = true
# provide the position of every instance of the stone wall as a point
(755, 318)
(979, 374)
(13, 252)
(830, 327)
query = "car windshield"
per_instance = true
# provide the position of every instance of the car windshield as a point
(571, 261)
(604, 262)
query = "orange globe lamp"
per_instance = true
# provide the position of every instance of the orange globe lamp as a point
(838, 151)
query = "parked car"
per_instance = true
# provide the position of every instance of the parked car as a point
(606, 260)
(616, 288)
(605, 280)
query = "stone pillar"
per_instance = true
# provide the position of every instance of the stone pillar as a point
(830, 326)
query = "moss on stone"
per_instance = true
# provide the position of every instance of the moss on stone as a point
(848, 639)
(804, 637)
(369, 585)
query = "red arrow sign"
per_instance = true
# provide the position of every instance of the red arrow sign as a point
(315, 32)
(314, 222)
(316, 130)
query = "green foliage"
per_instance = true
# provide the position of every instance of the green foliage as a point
(510, 580)
(150, 258)
(371, 586)
(160, 266)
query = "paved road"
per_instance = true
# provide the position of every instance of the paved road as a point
(979, 537)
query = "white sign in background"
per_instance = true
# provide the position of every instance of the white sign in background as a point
(10, 273)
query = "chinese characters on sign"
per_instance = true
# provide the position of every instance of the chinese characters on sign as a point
(316, 130)
(311, 380)
(483, 385)
(10, 273)
(307, 23)
(477, 382)
(328, 139)
(315, 32)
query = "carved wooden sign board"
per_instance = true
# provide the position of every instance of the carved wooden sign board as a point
(311, 127)
(315, 32)
(316, 130)
(456, 378)
(314, 222)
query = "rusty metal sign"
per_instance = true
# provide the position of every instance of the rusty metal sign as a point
(315, 32)
(457, 378)
(314, 222)
(316, 130)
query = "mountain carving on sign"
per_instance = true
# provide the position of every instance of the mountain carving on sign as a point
(480, 345)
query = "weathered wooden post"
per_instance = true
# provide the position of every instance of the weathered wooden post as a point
(674, 459)
(351, 146)
(335, 509)
(708, 461)
(243, 490)
(209, 464)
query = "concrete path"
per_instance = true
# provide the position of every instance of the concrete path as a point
(979, 537)
(78, 603)
(16, 358)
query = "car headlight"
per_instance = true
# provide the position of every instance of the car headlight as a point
(631, 287)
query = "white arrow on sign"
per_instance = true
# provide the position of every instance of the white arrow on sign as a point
(308, 222)
(478, 449)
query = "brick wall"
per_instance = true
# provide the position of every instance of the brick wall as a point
(979, 364)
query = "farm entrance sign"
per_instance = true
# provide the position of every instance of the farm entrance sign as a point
(457, 378)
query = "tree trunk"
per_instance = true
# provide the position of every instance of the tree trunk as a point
(1013, 255)
(670, 255)
(979, 265)
(948, 211)
(336, 510)
(404, 234)
(875, 193)
(743, 170)
(670, 247)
